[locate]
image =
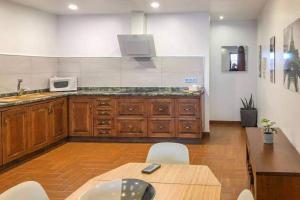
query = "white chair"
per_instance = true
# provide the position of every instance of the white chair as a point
(168, 153)
(25, 191)
(246, 195)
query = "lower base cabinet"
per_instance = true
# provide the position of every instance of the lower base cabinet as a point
(58, 120)
(160, 117)
(132, 127)
(38, 120)
(14, 134)
(188, 128)
(81, 116)
(25, 129)
(160, 127)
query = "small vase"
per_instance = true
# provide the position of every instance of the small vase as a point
(268, 138)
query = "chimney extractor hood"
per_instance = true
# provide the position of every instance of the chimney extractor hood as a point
(137, 44)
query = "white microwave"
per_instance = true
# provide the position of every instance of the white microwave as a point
(63, 84)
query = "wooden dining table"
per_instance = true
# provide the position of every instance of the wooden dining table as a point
(171, 181)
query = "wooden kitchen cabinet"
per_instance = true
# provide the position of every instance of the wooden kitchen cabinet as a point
(104, 117)
(58, 120)
(161, 127)
(188, 108)
(38, 126)
(188, 128)
(132, 127)
(161, 108)
(14, 130)
(81, 116)
(130, 107)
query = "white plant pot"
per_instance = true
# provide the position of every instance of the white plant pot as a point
(268, 138)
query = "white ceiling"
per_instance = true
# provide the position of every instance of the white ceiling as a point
(231, 9)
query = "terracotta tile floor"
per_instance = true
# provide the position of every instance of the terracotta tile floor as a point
(64, 169)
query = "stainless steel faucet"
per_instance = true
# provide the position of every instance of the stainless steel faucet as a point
(20, 90)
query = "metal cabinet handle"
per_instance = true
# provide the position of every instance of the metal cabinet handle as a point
(161, 127)
(130, 109)
(187, 109)
(187, 127)
(160, 109)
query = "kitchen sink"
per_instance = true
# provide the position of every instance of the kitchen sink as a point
(26, 97)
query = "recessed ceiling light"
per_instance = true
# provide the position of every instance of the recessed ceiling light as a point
(155, 5)
(221, 17)
(73, 7)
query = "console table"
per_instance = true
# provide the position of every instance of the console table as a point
(274, 169)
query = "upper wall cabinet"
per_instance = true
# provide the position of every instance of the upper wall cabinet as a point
(234, 58)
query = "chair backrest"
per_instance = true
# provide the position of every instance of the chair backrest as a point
(168, 153)
(246, 195)
(28, 190)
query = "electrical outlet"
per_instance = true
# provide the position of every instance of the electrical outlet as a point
(191, 80)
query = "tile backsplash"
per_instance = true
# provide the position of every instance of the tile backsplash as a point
(35, 72)
(100, 72)
(131, 72)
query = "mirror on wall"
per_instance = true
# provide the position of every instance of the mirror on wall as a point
(234, 58)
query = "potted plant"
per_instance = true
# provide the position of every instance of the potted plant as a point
(269, 130)
(248, 113)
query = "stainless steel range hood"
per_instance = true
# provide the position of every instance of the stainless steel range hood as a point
(137, 44)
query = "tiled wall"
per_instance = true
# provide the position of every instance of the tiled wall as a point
(35, 72)
(99, 72)
(130, 72)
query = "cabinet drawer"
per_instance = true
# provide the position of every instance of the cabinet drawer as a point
(104, 122)
(161, 128)
(132, 107)
(188, 107)
(161, 108)
(104, 132)
(107, 112)
(132, 127)
(104, 102)
(188, 128)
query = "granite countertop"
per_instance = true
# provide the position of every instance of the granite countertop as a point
(151, 92)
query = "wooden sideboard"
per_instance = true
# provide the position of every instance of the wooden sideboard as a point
(138, 117)
(274, 169)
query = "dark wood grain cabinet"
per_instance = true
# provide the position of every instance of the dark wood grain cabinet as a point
(131, 127)
(25, 129)
(14, 134)
(38, 126)
(161, 127)
(81, 116)
(104, 117)
(58, 120)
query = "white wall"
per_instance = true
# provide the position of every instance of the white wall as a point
(226, 88)
(26, 31)
(274, 101)
(91, 35)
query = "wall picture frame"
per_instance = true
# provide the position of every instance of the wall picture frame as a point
(273, 59)
(291, 68)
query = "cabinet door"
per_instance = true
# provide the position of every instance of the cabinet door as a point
(38, 131)
(14, 134)
(161, 108)
(161, 127)
(81, 116)
(58, 120)
(132, 127)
